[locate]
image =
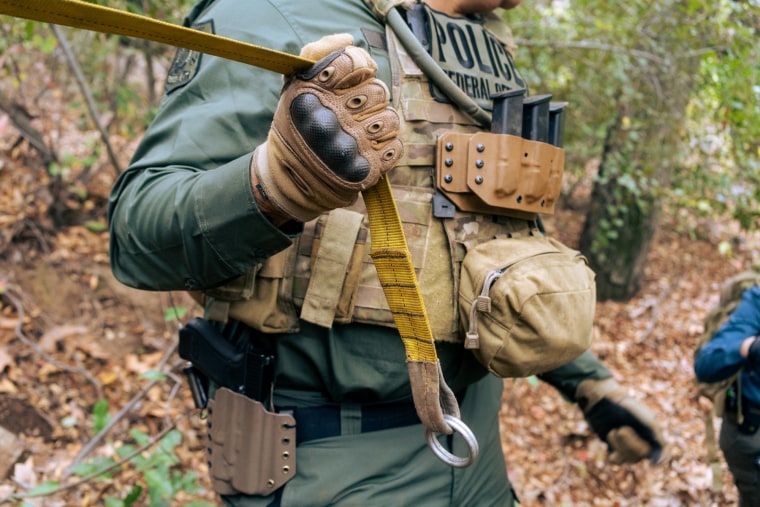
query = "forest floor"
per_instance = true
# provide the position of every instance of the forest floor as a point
(71, 337)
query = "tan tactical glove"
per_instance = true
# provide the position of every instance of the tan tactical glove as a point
(333, 133)
(628, 427)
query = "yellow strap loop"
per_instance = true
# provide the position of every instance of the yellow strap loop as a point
(395, 270)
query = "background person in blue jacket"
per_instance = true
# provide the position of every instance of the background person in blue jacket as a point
(735, 347)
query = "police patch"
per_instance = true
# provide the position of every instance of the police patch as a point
(475, 60)
(185, 64)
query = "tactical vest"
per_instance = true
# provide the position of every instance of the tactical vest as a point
(326, 276)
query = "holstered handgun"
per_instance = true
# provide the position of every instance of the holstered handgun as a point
(214, 358)
(251, 449)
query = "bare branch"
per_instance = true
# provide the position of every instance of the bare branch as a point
(21, 120)
(122, 413)
(600, 46)
(34, 346)
(63, 487)
(91, 107)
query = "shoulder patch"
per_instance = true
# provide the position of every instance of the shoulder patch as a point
(185, 64)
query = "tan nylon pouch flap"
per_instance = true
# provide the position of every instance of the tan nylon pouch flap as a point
(380, 8)
(267, 310)
(330, 267)
(528, 304)
(251, 450)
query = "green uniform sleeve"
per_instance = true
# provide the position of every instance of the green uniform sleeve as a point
(566, 378)
(183, 215)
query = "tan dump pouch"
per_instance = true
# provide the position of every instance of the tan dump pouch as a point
(265, 309)
(499, 174)
(251, 450)
(527, 304)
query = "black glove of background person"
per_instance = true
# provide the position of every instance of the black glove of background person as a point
(627, 426)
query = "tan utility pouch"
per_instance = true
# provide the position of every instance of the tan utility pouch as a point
(527, 304)
(319, 274)
(335, 246)
(251, 450)
(260, 298)
(498, 173)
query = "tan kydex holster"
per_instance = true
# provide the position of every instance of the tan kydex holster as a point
(251, 450)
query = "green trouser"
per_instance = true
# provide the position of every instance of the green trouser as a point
(742, 453)
(395, 466)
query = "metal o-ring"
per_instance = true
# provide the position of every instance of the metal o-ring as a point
(444, 455)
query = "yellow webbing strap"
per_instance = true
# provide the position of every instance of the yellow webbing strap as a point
(79, 14)
(389, 249)
(395, 270)
(393, 262)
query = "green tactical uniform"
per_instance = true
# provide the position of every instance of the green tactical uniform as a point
(183, 217)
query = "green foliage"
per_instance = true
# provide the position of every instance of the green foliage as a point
(100, 416)
(43, 489)
(157, 466)
(724, 120)
(174, 313)
(97, 466)
(675, 83)
(153, 375)
(95, 226)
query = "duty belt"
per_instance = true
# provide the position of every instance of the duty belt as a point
(324, 421)
(434, 401)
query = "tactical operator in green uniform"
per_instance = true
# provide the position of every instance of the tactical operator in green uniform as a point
(246, 192)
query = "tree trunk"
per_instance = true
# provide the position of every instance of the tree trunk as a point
(618, 262)
(641, 149)
(620, 221)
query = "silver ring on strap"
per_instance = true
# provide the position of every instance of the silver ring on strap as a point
(442, 454)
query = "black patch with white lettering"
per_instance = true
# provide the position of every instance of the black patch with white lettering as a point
(471, 56)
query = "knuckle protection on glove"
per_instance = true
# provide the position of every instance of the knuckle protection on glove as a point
(333, 135)
(321, 131)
